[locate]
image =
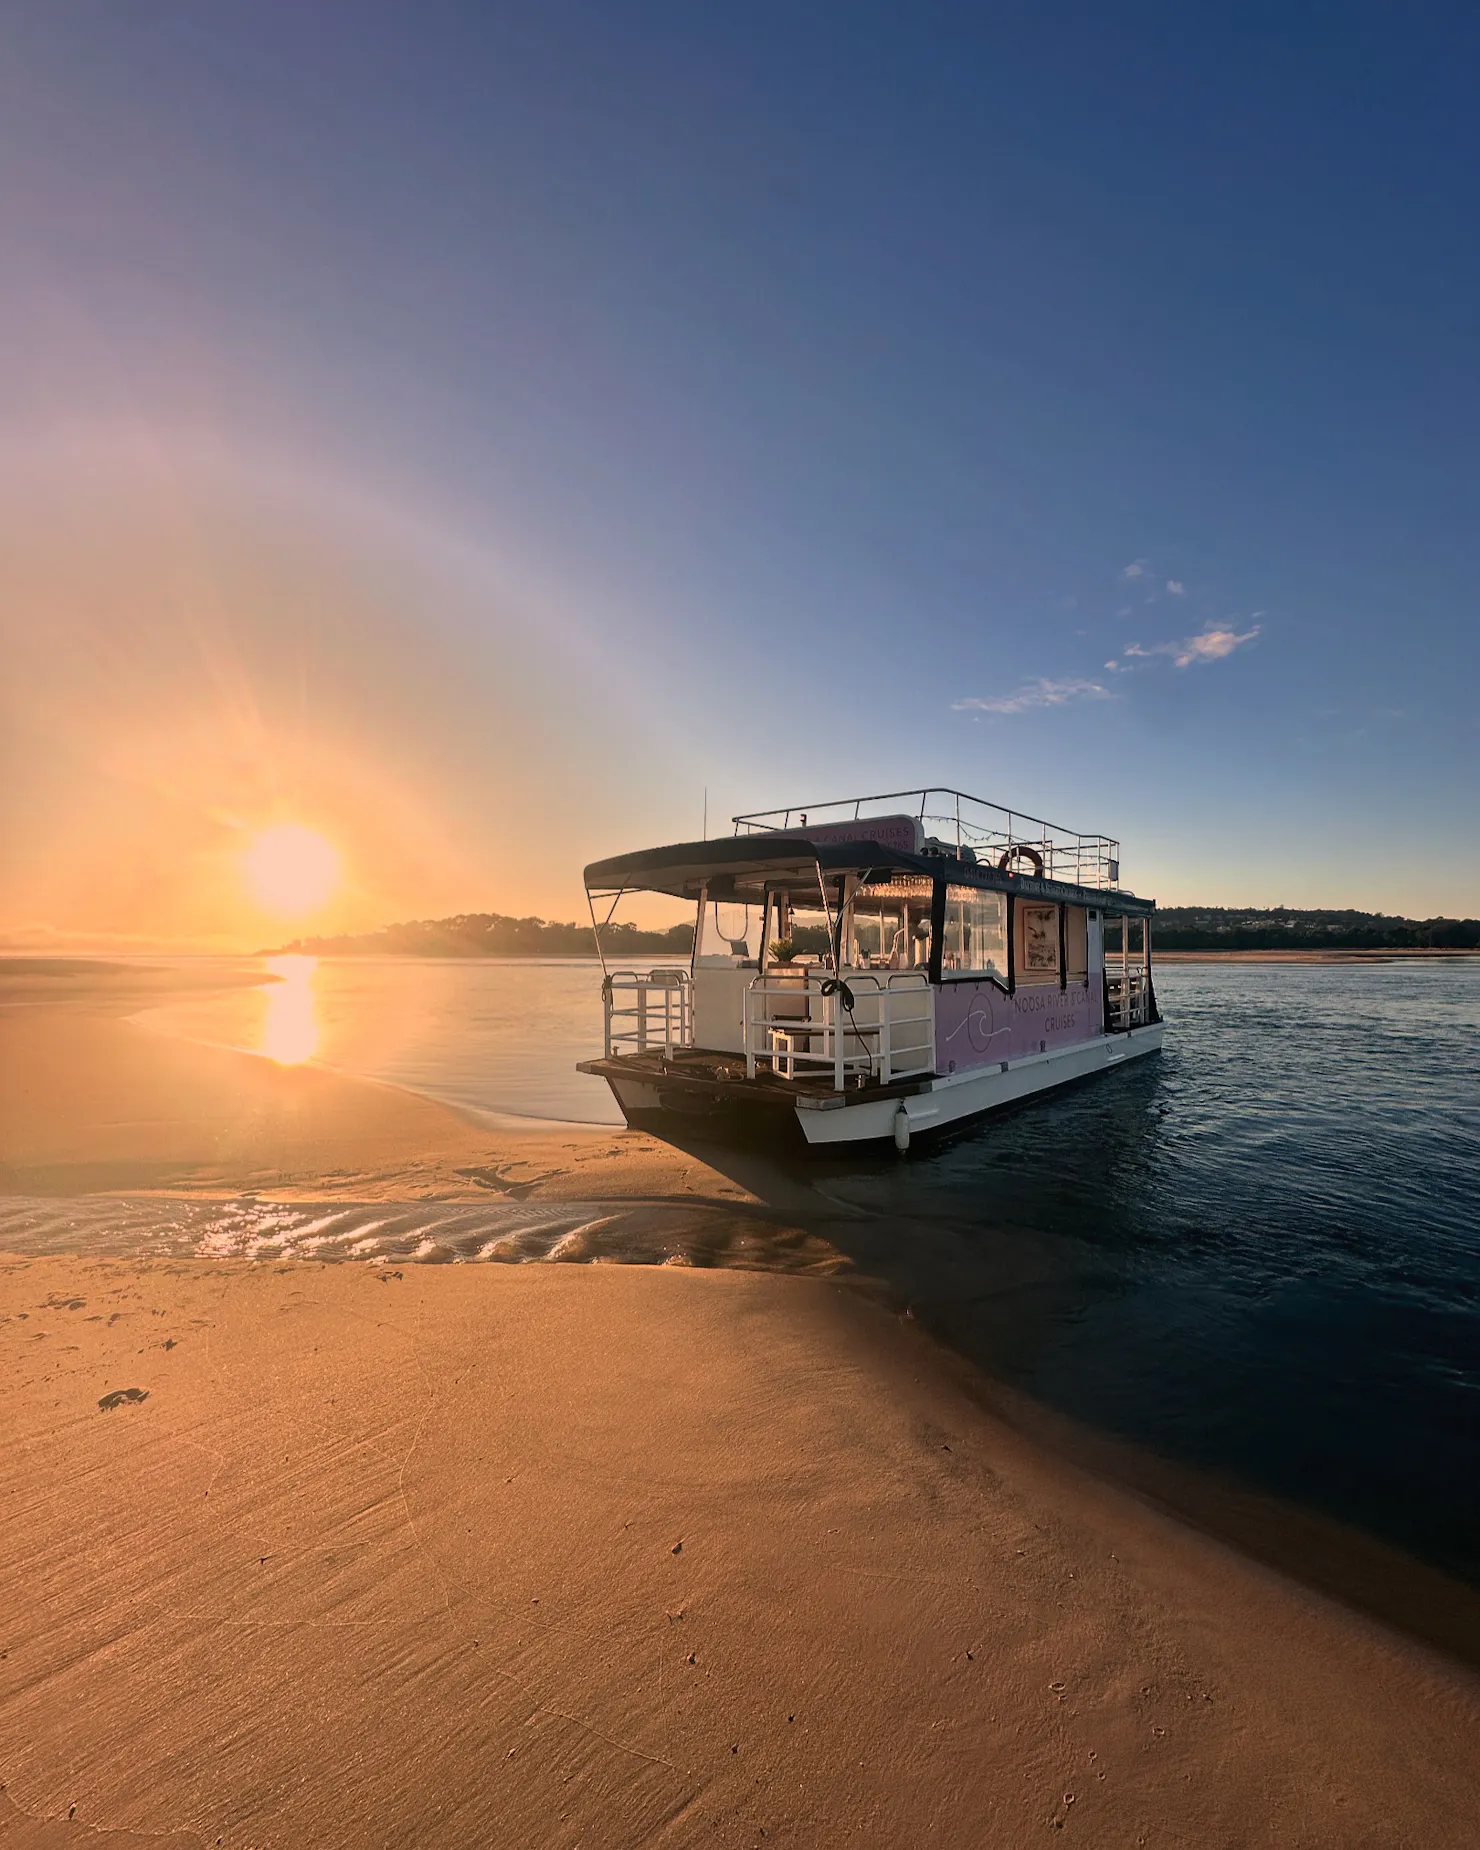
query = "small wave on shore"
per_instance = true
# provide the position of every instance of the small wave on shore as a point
(418, 1232)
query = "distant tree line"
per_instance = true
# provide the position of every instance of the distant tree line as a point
(1175, 928)
(1288, 928)
(494, 934)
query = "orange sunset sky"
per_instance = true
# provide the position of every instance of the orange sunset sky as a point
(195, 656)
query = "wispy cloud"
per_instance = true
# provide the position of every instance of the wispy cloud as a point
(1039, 693)
(1136, 569)
(1176, 587)
(1211, 646)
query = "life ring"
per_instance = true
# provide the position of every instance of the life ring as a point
(1020, 849)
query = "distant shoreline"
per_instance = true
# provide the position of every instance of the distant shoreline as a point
(1275, 933)
(15, 964)
(1381, 954)
(467, 957)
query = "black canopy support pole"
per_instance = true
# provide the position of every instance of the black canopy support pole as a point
(596, 928)
(1011, 944)
(698, 928)
(832, 934)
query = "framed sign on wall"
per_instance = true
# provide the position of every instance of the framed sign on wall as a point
(1040, 938)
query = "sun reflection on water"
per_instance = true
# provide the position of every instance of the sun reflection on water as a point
(290, 1027)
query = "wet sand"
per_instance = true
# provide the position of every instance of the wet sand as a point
(594, 1554)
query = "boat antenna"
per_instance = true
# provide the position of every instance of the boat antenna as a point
(705, 835)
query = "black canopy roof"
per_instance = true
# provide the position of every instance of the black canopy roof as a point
(735, 865)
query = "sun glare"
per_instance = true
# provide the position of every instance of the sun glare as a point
(290, 1028)
(291, 869)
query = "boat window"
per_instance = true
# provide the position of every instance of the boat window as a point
(888, 926)
(975, 940)
(1076, 944)
(1125, 937)
(799, 932)
(730, 932)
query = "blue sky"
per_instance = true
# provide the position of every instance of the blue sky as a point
(477, 429)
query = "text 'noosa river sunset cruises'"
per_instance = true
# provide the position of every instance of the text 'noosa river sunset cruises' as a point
(877, 967)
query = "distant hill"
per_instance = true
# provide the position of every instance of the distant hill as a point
(493, 934)
(1288, 928)
(1176, 928)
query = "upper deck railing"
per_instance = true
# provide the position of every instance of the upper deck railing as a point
(952, 819)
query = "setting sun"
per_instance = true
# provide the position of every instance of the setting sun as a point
(291, 869)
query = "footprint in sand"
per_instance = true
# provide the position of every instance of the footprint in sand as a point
(119, 1396)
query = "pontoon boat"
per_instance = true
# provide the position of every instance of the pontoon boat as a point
(877, 968)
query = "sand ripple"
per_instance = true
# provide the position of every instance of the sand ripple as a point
(426, 1233)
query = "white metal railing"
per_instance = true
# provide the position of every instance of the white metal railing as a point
(953, 820)
(1127, 995)
(647, 1009)
(865, 1025)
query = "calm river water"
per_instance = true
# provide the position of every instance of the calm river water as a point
(1258, 1252)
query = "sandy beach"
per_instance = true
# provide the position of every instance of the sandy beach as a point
(597, 1554)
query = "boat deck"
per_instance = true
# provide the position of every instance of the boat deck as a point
(715, 1076)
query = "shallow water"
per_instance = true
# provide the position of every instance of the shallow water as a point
(1258, 1252)
(500, 1036)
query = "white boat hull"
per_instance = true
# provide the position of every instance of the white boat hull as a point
(966, 1095)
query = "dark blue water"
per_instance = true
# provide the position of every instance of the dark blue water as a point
(1258, 1252)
